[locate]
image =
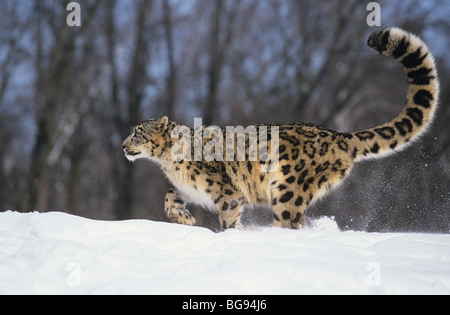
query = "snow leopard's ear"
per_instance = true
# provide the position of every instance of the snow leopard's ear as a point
(161, 123)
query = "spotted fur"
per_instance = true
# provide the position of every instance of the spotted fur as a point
(312, 160)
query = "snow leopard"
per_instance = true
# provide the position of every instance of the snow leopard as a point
(312, 160)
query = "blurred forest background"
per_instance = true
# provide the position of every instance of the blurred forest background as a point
(68, 96)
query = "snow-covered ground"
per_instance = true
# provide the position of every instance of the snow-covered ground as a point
(57, 253)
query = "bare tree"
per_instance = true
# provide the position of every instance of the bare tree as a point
(220, 37)
(170, 91)
(52, 83)
(12, 24)
(127, 112)
(56, 116)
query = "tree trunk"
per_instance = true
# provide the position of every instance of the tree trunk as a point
(215, 64)
(52, 85)
(171, 76)
(123, 173)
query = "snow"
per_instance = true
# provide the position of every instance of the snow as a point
(58, 253)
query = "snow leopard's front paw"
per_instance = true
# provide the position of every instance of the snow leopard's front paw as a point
(180, 216)
(175, 208)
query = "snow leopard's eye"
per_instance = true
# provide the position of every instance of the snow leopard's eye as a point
(139, 137)
(137, 140)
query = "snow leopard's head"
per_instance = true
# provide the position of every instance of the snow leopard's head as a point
(147, 140)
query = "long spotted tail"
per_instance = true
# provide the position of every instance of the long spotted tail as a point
(421, 99)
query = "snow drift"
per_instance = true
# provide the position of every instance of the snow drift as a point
(57, 253)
